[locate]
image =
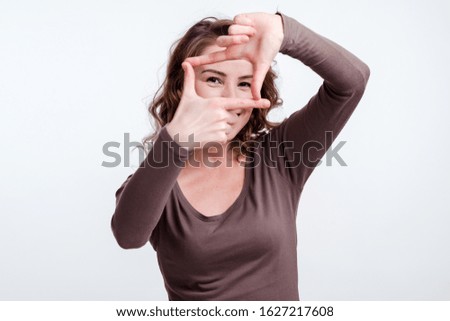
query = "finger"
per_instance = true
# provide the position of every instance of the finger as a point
(241, 30)
(209, 58)
(233, 103)
(232, 118)
(189, 78)
(243, 19)
(259, 74)
(225, 41)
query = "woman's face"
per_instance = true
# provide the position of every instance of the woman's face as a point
(230, 78)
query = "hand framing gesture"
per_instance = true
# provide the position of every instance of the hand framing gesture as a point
(256, 37)
(209, 119)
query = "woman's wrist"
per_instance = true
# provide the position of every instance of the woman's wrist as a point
(277, 30)
(280, 19)
(175, 136)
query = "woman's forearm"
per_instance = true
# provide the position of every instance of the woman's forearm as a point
(141, 199)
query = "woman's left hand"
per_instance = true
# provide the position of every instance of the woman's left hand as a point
(256, 37)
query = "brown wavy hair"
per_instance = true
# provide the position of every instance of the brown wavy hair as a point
(166, 99)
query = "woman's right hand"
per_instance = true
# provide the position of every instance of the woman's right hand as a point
(198, 121)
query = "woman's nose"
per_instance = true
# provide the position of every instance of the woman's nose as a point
(229, 91)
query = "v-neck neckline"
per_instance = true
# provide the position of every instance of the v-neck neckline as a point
(218, 217)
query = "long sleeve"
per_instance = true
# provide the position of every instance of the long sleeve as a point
(141, 198)
(303, 138)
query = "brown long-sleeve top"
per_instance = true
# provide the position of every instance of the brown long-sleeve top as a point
(249, 251)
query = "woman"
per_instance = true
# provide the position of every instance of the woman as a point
(223, 231)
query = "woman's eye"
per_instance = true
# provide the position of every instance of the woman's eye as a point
(217, 81)
(214, 79)
(245, 84)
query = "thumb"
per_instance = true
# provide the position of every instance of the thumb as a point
(259, 74)
(189, 79)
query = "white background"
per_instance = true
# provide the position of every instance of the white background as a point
(76, 75)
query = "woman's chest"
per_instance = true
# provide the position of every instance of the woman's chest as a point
(250, 232)
(212, 195)
(261, 221)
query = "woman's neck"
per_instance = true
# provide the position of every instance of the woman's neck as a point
(218, 156)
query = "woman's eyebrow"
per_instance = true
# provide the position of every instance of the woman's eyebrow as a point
(223, 74)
